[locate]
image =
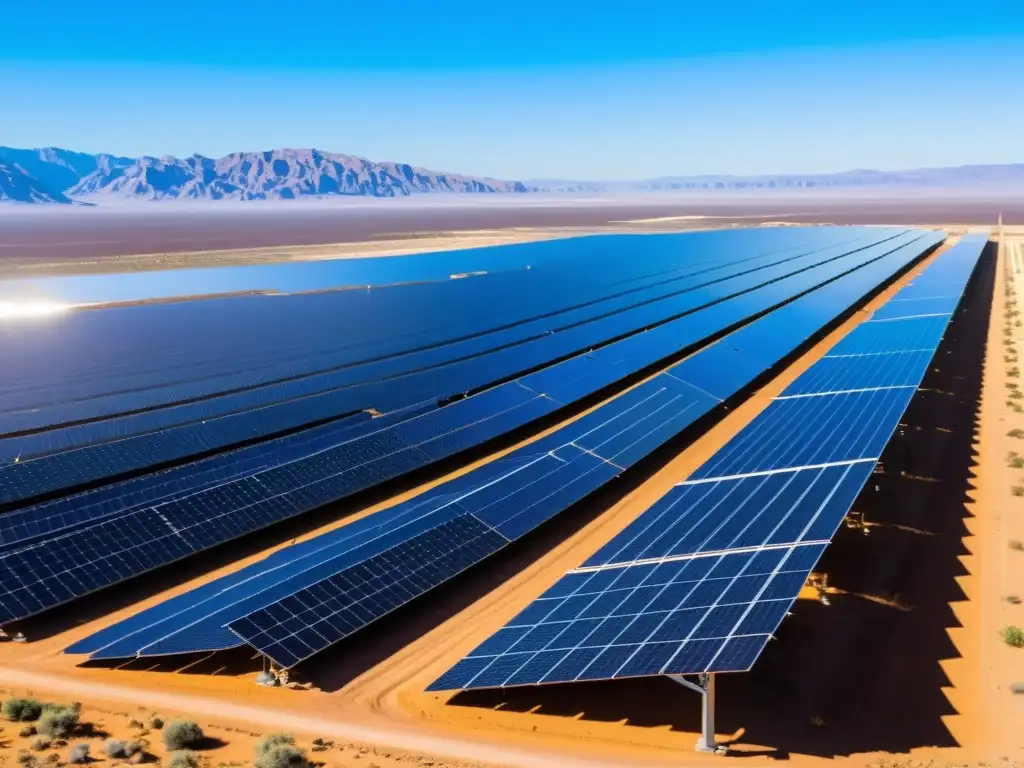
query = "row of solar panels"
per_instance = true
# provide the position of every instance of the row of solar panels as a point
(83, 446)
(59, 550)
(306, 597)
(701, 580)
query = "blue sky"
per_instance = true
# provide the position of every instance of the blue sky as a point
(526, 89)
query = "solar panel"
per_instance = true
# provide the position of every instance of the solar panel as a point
(537, 482)
(49, 473)
(782, 486)
(673, 616)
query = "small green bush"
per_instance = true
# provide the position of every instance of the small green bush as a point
(1013, 599)
(1017, 490)
(1017, 689)
(25, 710)
(28, 730)
(79, 754)
(1015, 433)
(41, 744)
(1013, 635)
(182, 734)
(182, 758)
(1017, 544)
(1017, 462)
(157, 723)
(58, 723)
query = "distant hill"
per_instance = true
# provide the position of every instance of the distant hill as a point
(281, 174)
(951, 177)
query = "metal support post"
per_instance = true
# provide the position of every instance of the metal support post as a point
(706, 688)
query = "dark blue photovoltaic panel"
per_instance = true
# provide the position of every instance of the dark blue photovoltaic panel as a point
(539, 481)
(762, 510)
(834, 374)
(812, 430)
(675, 617)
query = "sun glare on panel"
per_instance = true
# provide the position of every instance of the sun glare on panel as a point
(17, 310)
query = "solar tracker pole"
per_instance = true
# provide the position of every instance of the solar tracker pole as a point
(706, 688)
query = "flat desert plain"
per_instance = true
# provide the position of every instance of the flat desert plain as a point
(905, 665)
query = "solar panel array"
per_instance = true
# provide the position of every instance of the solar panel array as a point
(700, 581)
(57, 551)
(308, 596)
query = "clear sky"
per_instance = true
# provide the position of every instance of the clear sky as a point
(523, 88)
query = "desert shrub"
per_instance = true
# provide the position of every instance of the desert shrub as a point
(1013, 635)
(1017, 490)
(58, 723)
(182, 734)
(26, 758)
(79, 754)
(1016, 462)
(281, 756)
(182, 758)
(1015, 433)
(1013, 599)
(25, 710)
(133, 723)
(157, 723)
(122, 749)
(1013, 373)
(272, 740)
(41, 744)
(1017, 689)
(28, 730)
(1017, 544)
(53, 758)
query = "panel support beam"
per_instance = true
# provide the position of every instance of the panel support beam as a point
(705, 686)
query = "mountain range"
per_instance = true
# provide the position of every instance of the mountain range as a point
(53, 175)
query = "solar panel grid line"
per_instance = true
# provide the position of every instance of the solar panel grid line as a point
(908, 317)
(830, 392)
(692, 555)
(779, 470)
(878, 354)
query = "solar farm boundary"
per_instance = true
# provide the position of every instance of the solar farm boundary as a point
(705, 684)
(78, 453)
(875, 288)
